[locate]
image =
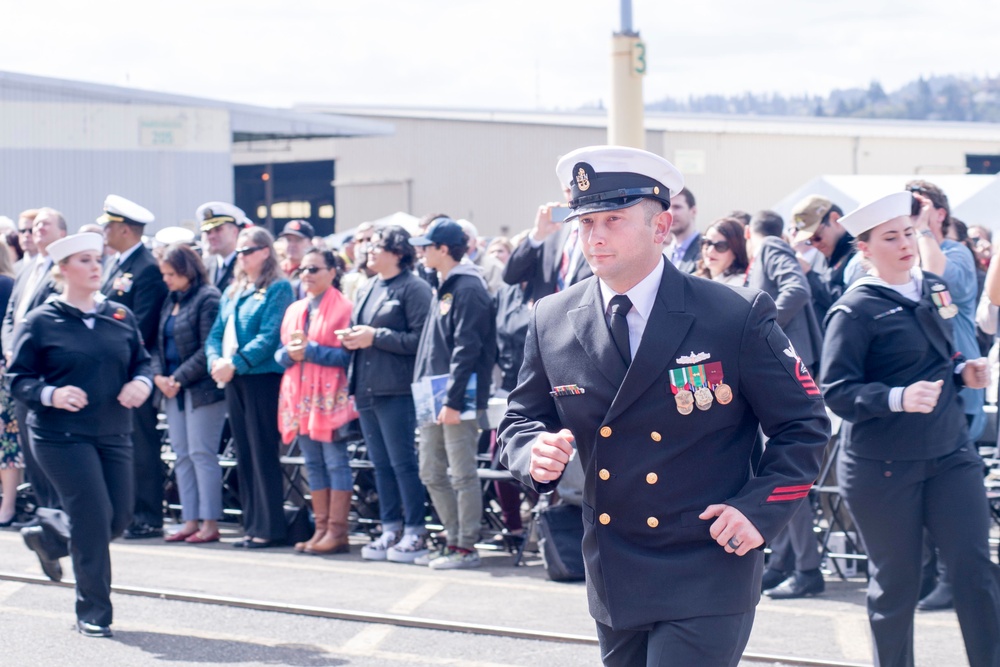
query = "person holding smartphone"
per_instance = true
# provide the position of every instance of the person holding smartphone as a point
(314, 400)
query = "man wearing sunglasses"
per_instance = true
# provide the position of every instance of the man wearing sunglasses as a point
(816, 221)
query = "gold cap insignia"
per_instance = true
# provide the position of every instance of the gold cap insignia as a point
(582, 177)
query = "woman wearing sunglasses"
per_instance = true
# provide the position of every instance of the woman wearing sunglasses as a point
(240, 351)
(724, 252)
(907, 464)
(314, 400)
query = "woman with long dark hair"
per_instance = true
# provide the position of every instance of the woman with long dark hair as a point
(724, 252)
(196, 411)
(240, 353)
(907, 463)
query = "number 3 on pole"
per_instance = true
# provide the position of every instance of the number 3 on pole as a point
(638, 58)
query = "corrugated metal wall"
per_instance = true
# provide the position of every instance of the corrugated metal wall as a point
(59, 149)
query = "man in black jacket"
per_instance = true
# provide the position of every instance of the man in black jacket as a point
(458, 341)
(220, 225)
(32, 287)
(549, 259)
(133, 279)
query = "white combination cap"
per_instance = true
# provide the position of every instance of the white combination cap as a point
(119, 209)
(215, 213)
(607, 178)
(169, 235)
(70, 245)
(873, 214)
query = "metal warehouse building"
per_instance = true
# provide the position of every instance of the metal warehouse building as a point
(67, 144)
(495, 168)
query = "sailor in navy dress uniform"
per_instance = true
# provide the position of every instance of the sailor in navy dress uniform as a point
(664, 405)
(907, 464)
(133, 279)
(81, 372)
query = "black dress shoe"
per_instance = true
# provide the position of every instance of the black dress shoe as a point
(92, 630)
(938, 599)
(141, 531)
(250, 544)
(799, 585)
(33, 540)
(772, 578)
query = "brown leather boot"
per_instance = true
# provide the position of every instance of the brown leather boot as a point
(321, 508)
(335, 540)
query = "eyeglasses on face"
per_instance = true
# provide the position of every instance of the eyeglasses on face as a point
(249, 249)
(720, 246)
(312, 269)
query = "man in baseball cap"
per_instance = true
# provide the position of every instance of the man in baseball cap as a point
(298, 235)
(817, 224)
(662, 379)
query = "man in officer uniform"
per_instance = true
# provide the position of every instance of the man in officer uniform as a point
(220, 226)
(661, 380)
(133, 279)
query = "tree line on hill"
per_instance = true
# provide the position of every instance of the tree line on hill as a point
(946, 98)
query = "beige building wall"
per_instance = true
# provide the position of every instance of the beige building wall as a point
(495, 169)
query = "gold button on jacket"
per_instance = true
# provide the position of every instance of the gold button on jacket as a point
(605, 519)
(604, 474)
(655, 435)
(605, 431)
(652, 522)
(651, 478)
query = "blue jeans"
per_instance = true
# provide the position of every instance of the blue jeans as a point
(326, 464)
(388, 424)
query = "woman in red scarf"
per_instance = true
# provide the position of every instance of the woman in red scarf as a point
(314, 400)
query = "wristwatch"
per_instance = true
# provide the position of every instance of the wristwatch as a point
(926, 232)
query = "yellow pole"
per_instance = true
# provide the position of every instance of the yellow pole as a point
(626, 125)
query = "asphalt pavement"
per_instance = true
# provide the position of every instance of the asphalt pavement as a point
(36, 620)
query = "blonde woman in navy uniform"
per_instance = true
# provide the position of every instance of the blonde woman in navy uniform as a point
(907, 463)
(81, 367)
(663, 397)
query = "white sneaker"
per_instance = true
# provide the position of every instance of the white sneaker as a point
(377, 548)
(455, 559)
(408, 549)
(426, 558)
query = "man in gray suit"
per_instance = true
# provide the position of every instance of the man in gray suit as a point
(793, 571)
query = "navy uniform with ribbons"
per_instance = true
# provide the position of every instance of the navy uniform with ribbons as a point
(672, 432)
(86, 453)
(134, 280)
(904, 472)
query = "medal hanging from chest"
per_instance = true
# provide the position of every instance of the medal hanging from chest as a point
(702, 394)
(715, 377)
(946, 308)
(681, 389)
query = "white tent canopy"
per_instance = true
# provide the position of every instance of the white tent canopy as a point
(974, 199)
(404, 220)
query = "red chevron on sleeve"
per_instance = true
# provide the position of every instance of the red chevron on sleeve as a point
(786, 493)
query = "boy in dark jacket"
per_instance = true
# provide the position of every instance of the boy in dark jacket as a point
(458, 340)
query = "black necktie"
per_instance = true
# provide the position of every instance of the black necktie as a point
(620, 305)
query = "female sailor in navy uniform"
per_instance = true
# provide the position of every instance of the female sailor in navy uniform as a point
(907, 464)
(80, 365)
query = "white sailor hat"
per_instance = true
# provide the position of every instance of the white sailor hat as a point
(873, 214)
(119, 209)
(70, 245)
(215, 213)
(169, 235)
(607, 178)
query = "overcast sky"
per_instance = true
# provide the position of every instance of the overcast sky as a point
(510, 54)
